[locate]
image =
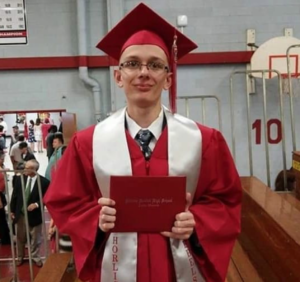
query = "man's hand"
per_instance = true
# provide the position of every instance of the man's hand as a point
(32, 207)
(184, 223)
(107, 216)
(12, 216)
(51, 232)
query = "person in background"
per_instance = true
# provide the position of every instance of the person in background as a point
(51, 121)
(60, 129)
(2, 139)
(15, 153)
(15, 135)
(26, 154)
(291, 181)
(33, 209)
(146, 139)
(45, 129)
(4, 124)
(49, 140)
(26, 130)
(31, 137)
(38, 134)
(64, 240)
(58, 145)
(4, 230)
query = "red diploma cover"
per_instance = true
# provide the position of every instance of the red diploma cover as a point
(147, 203)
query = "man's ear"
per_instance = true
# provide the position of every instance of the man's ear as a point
(118, 78)
(168, 81)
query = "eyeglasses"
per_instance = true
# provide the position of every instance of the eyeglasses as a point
(155, 67)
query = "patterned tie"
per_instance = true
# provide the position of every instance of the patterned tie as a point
(144, 137)
(27, 192)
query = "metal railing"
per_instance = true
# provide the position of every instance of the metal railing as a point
(203, 106)
(291, 94)
(20, 173)
(267, 157)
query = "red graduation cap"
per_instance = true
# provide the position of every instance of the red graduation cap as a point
(143, 26)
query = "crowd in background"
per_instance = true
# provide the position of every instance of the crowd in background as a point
(21, 148)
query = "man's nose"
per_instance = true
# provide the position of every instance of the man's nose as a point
(144, 69)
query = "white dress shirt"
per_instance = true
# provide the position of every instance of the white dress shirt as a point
(33, 180)
(4, 124)
(155, 128)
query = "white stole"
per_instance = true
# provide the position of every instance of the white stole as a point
(112, 158)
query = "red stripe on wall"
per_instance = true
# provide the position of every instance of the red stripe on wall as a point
(33, 111)
(239, 57)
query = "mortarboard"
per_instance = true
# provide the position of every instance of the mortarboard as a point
(144, 26)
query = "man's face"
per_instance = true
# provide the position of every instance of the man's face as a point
(29, 169)
(143, 86)
(56, 143)
(15, 130)
(23, 150)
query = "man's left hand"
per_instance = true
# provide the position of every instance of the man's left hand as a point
(184, 223)
(32, 207)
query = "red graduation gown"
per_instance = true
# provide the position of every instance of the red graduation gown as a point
(74, 192)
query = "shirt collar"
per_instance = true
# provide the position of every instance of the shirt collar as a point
(155, 127)
(33, 179)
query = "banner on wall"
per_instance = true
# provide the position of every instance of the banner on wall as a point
(13, 28)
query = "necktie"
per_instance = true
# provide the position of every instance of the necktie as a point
(27, 191)
(144, 137)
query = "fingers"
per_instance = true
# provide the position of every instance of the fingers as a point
(107, 216)
(188, 201)
(108, 211)
(185, 224)
(176, 236)
(182, 231)
(105, 227)
(106, 202)
(184, 216)
(31, 207)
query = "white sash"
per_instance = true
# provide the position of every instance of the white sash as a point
(111, 157)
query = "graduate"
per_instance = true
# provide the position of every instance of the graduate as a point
(147, 139)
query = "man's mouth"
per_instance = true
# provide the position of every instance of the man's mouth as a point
(143, 87)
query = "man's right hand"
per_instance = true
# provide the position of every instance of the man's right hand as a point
(12, 216)
(107, 216)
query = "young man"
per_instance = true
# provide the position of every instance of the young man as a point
(26, 154)
(49, 140)
(14, 136)
(58, 146)
(199, 246)
(15, 153)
